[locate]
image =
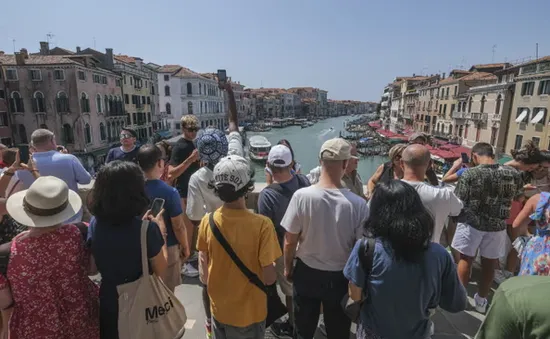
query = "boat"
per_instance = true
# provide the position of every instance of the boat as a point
(305, 125)
(258, 148)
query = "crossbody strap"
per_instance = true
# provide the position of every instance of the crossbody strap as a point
(144, 259)
(251, 276)
(366, 258)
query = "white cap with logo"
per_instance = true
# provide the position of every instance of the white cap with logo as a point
(279, 156)
(336, 149)
(232, 170)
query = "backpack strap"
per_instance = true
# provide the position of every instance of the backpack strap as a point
(366, 254)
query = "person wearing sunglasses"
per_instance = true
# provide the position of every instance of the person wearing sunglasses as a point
(127, 150)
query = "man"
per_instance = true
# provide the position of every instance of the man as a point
(325, 220)
(212, 145)
(422, 139)
(441, 202)
(48, 161)
(487, 191)
(150, 160)
(352, 179)
(239, 308)
(273, 202)
(183, 163)
(127, 150)
(519, 310)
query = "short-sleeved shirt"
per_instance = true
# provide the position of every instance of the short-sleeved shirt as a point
(519, 310)
(118, 153)
(487, 192)
(180, 152)
(406, 291)
(172, 205)
(234, 300)
(461, 171)
(329, 222)
(354, 183)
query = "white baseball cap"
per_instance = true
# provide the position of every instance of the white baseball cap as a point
(280, 156)
(232, 170)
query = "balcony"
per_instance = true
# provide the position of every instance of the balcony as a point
(458, 115)
(479, 116)
(496, 117)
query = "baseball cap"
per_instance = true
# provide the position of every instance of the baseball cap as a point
(336, 149)
(417, 135)
(279, 156)
(212, 145)
(232, 170)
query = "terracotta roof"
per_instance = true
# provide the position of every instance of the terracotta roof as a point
(185, 72)
(125, 58)
(482, 66)
(169, 68)
(459, 71)
(479, 76)
(39, 60)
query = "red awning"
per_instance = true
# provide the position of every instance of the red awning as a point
(374, 124)
(447, 155)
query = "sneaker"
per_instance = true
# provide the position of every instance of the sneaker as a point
(322, 327)
(208, 329)
(480, 304)
(501, 276)
(193, 257)
(189, 271)
(282, 330)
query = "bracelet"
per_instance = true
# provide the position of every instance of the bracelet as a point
(9, 174)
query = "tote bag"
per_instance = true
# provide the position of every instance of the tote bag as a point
(147, 309)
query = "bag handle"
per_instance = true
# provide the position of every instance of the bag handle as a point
(251, 276)
(144, 260)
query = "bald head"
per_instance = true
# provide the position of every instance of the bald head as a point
(416, 156)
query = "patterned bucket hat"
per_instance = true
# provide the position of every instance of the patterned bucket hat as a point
(212, 145)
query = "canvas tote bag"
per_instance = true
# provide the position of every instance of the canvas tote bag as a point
(147, 309)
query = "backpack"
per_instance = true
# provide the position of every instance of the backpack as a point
(302, 182)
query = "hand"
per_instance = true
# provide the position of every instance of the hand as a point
(184, 253)
(157, 219)
(529, 187)
(194, 155)
(288, 274)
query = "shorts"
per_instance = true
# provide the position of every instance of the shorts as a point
(222, 331)
(286, 286)
(172, 275)
(468, 240)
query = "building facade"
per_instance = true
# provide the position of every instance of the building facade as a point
(6, 136)
(426, 115)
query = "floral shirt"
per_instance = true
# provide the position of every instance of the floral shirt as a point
(487, 192)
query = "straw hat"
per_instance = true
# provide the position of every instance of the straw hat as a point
(48, 202)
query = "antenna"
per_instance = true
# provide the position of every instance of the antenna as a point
(494, 51)
(13, 40)
(537, 51)
(94, 42)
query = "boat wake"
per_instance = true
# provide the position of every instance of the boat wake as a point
(326, 133)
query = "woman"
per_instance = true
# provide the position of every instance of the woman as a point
(410, 276)
(53, 298)
(117, 202)
(535, 256)
(166, 150)
(296, 167)
(389, 170)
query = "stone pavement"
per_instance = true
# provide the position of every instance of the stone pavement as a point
(447, 326)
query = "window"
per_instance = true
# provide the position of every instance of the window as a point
(168, 108)
(201, 107)
(125, 79)
(539, 115)
(145, 83)
(152, 90)
(536, 141)
(178, 126)
(98, 103)
(527, 88)
(126, 99)
(519, 141)
(16, 103)
(148, 117)
(38, 103)
(482, 106)
(470, 100)
(23, 134)
(2, 94)
(96, 78)
(148, 100)
(131, 80)
(102, 133)
(200, 88)
(189, 107)
(143, 100)
(35, 75)
(11, 74)
(447, 94)
(444, 109)
(84, 103)
(499, 102)
(455, 91)
(167, 90)
(544, 87)
(59, 74)
(189, 89)
(166, 77)
(440, 108)
(3, 119)
(88, 131)
(62, 102)
(104, 80)
(118, 83)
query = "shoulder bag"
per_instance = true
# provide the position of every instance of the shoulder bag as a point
(275, 307)
(147, 309)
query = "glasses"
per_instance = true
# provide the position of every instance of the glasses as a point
(125, 136)
(193, 129)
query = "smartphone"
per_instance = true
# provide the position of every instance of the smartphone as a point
(157, 206)
(222, 77)
(465, 158)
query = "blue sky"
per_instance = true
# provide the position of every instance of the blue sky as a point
(351, 48)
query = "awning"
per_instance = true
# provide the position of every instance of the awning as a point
(538, 117)
(522, 116)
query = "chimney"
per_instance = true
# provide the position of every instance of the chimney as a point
(24, 53)
(78, 50)
(414, 75)
(19, 59)
(443, 76)
(109, 60)
(44, 48)
(139, 62)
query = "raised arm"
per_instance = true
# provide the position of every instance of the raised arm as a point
(233, 120)
(374, 180)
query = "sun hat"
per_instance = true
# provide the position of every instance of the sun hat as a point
(279, 156)
(212, 145)
(47, 202)
(232, 170)
(336, 149)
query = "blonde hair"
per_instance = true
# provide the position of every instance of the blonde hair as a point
(396, 150)
(189, 121)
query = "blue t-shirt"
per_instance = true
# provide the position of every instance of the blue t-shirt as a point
(172, 205)
(118, 154)
(273, 204)
(406, 292)
(460, 171)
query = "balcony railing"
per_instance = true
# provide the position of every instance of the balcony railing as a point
(458, 115)
(479, 116)
(496, 117)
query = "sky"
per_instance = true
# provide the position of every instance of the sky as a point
(352, 48)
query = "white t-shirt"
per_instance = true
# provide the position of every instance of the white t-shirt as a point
(440, 201)
(201, 199)
(329, 222)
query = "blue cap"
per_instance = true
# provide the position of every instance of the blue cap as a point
(212, 145)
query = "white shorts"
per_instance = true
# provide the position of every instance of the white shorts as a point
(468, 240)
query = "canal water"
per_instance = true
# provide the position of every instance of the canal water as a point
(307, 142)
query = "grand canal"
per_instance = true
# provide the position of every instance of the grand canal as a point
(307, 142)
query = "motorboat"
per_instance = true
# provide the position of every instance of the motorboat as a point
(305, 125)
(258, 148)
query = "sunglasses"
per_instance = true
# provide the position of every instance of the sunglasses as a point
(194, 129)
(126, 136)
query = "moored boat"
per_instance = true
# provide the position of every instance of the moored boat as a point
(258, 148)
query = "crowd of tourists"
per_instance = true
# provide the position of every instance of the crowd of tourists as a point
(386, 258)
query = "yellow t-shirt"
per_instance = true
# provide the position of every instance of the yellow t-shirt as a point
(234, 300)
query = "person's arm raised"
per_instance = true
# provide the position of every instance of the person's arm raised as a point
(232, 117)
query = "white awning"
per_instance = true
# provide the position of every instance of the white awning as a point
(538, 117)
(522, 116)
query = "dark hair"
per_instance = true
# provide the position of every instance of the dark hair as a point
(167, 147)
(287, 144)
(528, 154)
(483, 149)
(129, 130)
(60, 148)
(118, 194)
(148, 156)
(227, 192)
(398, 216)
(9, 155)
(545, 156)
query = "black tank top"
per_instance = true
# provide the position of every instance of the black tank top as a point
(387, 173)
